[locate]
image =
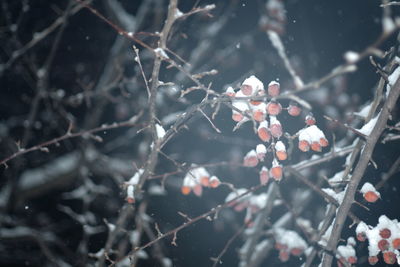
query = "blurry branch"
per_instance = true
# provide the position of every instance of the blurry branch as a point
(43, 146)
(39, 36)
(385, 177)
(359, 171)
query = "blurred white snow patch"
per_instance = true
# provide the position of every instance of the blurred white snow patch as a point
(135, 178)
(290, 238)
(337, 196)
(157, 190)
(345, 252)
(160, 131)
(166, 262)
(388, 24)
(178, 13)
(160, 52)
(351, 56)
(254, 82)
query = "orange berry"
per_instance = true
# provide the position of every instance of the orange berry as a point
(396, 243)
(315, 146)
(130, 200)
(281, 155)
(185, 190)
(304, 145)
(273, 89)
(276, 130)
(383, 244)
(246, 89)
(250, 161)
(236, 116)
(389, 257)
(255, 102)
(283, 255)
(294, 110)
(323, 142)
(371, 196)
(264, 134)
(274, 108)
(214, 182)
(198, 190)
(385, 233)
(296, 251)
(310, 120)
(259, 115)
(373, 260)
(276, 172)
(204, 180)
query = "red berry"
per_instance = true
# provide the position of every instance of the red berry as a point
(283, 255)
(371, 196)
(310, 120)
(383, 244)
(276, 130)
(276, 172)
(246, 89)
(264, 134)
(389, 257)
(274, 108)
(396, 243)
(361, 237)
(294, 110)
(273, 89)
(352, 260)
(385, 233)
(304, 145)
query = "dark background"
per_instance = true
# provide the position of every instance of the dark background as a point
(317, 35)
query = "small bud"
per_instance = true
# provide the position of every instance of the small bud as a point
(310, 120)
(373, 260)
(385, 233)
(371, 196)
(274, 108)
(273, 89)
(389, 257)
(293, 109)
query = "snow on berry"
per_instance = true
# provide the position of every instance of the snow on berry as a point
(273, 88)
(280, 150)
(275, 127)
(273, 108)
(194, 180)
(310, 120)
(294, 109)
(241, 203)
(251, 159)
(230, 92)
(290, 242)
(311, 137)
(370, 193)
(261, 150)
(130, 198)
(263, 131)
(255, 84)
(346, 253)
(214, 182)
(264, 175)
(259, 112)
(276, 171)
(361, 231)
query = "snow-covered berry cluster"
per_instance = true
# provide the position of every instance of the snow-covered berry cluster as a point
(288, 243)
(384, 237)
(197, 178)
(346, 253)
(253, 103)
